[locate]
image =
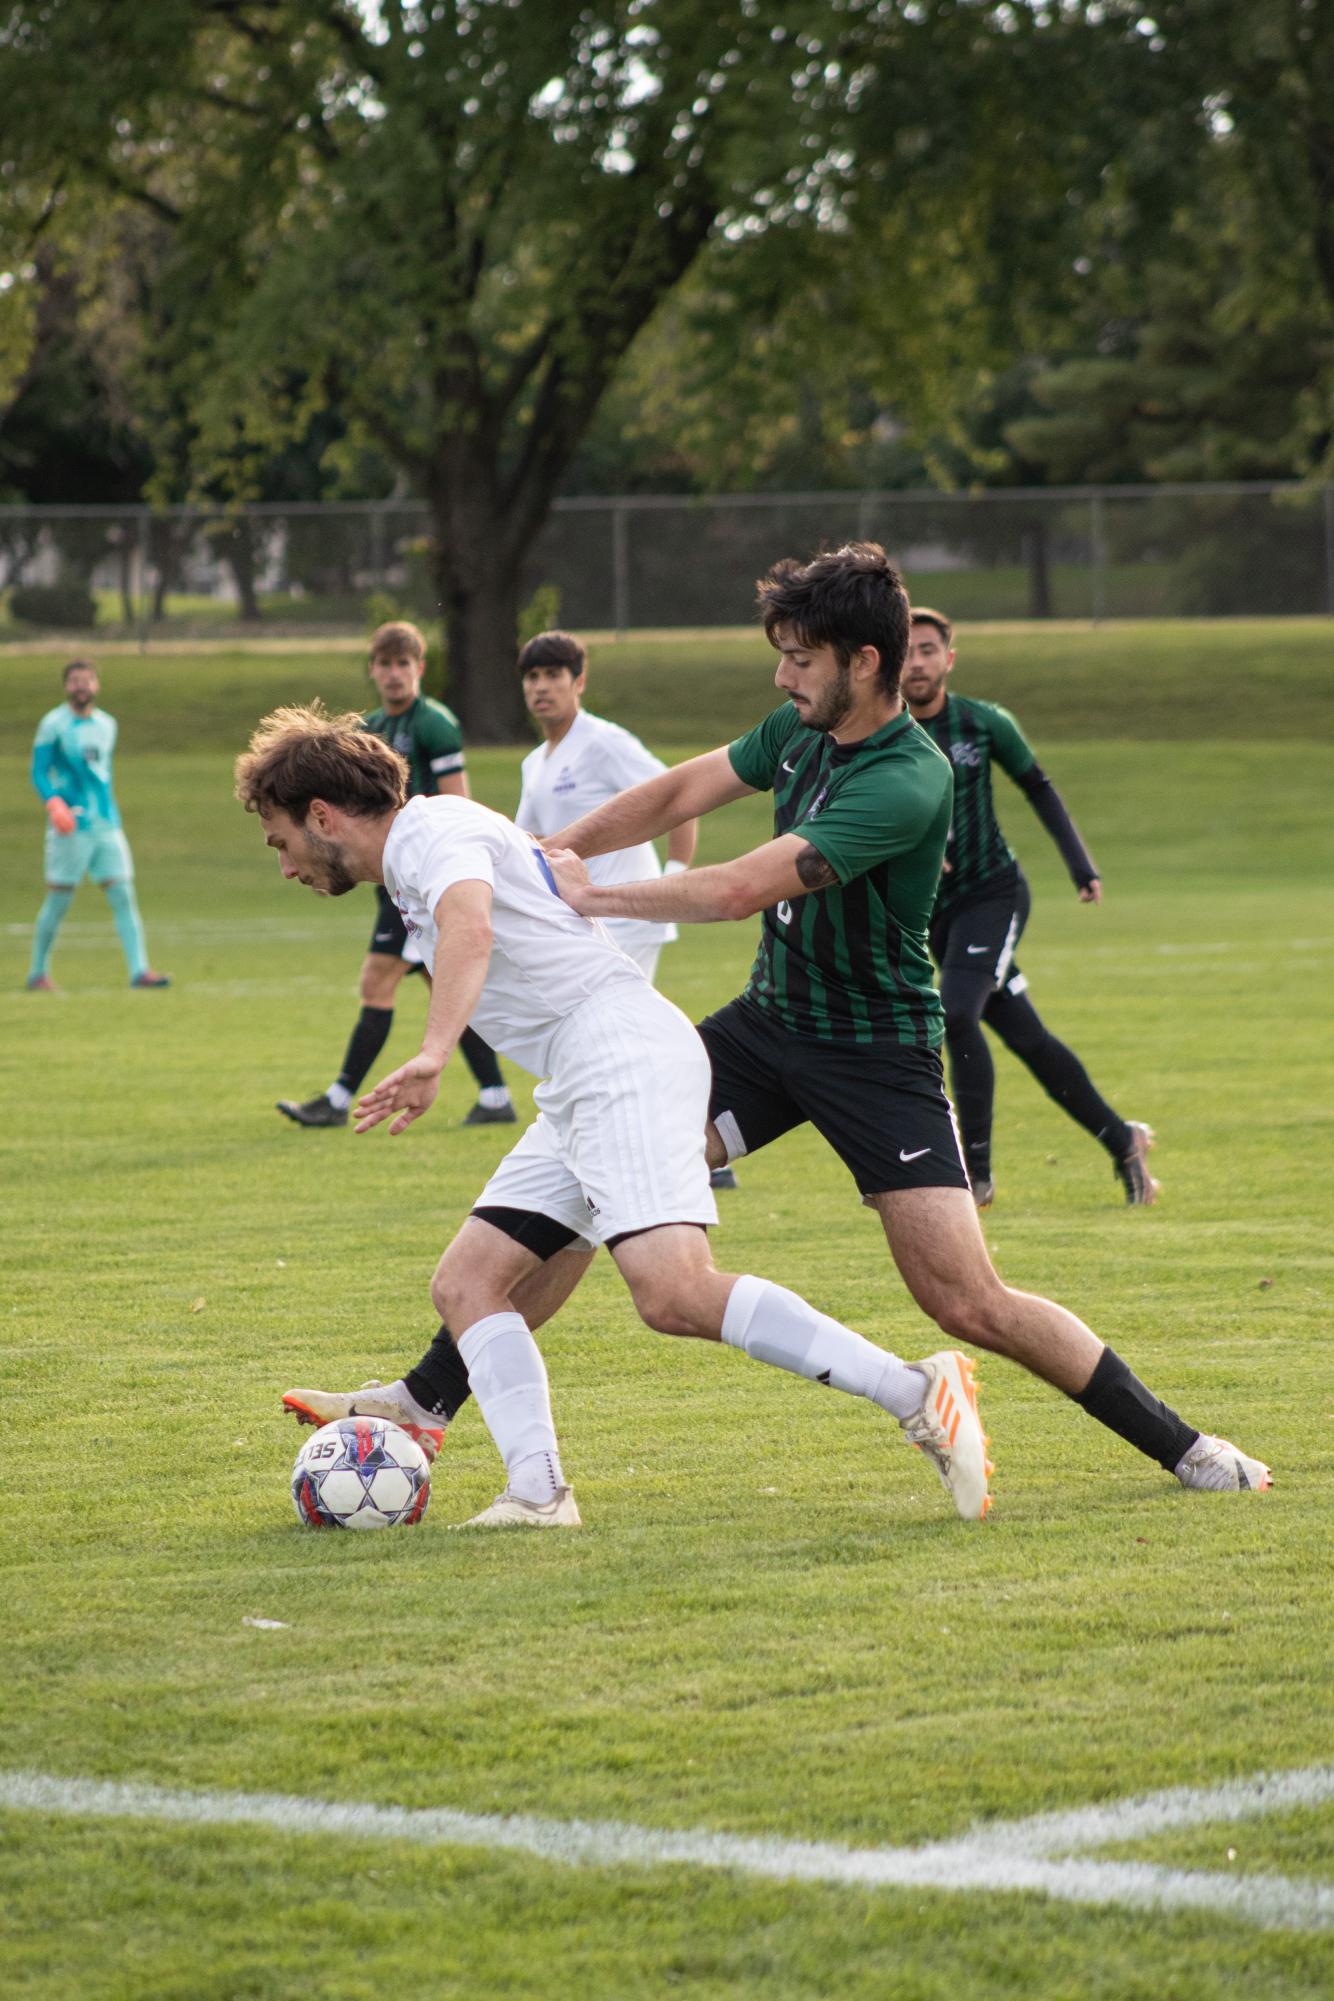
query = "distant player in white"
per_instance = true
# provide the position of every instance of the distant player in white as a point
(616, 1154)
(582, 762)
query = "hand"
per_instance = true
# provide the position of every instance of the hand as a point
(1091, 892)
(571, 878)
(409, 1091)
(58, 813)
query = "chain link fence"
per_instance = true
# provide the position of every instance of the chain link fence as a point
(666, 561)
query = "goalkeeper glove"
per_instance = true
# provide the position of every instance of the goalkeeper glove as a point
(58, 813)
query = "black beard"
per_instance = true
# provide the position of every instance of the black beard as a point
(829, 713)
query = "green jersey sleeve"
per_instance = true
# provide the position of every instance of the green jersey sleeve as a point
(438, 739)
(756, 756)
(876, 815)
(1009, 746)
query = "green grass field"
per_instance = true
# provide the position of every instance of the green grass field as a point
(771, 1626)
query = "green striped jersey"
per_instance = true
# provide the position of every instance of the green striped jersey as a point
(428, 736)
(849, 963)
(972, 734)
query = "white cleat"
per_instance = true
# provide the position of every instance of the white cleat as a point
(1214, 1465)
(948, 1429)
(371, 1400)
(509, 1512)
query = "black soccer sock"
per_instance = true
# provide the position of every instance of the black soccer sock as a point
(480, 1058)
(1058, 1070)
(367, 1040)
(973, 1082)
(439, 1383)
(1117, 1398)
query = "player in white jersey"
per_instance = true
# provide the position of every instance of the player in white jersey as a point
(71, 774)
(615, 1156)
(582, 762)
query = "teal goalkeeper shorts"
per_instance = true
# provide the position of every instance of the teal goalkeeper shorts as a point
(99, 851)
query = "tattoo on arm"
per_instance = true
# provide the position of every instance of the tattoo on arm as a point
(814, 870)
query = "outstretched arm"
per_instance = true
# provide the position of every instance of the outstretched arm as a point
(462, 954)
(655, 807)
(1051, 809)
(785, 868)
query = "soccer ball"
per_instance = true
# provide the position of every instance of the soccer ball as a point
(361, 1473)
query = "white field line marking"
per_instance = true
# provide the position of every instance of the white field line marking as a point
(1044, 1854)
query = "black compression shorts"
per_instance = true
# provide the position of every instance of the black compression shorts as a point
(881, 1105)
(390, 935)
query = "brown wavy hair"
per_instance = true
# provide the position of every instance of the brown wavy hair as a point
(300, 754)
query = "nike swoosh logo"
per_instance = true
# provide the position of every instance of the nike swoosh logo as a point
(789, 767)
(977, 948)
(906, 1157)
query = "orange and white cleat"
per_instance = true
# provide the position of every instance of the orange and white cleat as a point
(948, 1429)
(1220, 1468)
(371, 1400)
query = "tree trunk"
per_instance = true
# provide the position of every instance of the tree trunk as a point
(1039, 575)
(477, 586)
(236, 546)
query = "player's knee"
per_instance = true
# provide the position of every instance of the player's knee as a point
(664, 1306)
(377, 987)
(967, 1314)
(446, 1293)
(962, 1013)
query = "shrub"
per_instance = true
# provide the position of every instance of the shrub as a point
(70, 607)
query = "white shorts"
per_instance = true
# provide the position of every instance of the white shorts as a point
(618, 1143)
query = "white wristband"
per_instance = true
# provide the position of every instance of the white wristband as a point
(674, 868)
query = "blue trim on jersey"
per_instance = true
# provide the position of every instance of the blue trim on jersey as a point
(545, 867)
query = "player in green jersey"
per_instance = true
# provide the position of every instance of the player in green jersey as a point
(427, 736)
(71, 774)
(840, 1024)
(980, 911)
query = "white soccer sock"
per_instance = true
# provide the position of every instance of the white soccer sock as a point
(774, 1325)
(339, 1096)
(509, 1381)
(494, 1097)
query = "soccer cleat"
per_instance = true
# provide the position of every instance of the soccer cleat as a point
(491, 1115)
(371, 1400)
(1215, 1465)
(319, 1111)
(984, 1194)
(41, 983)
(722, 1177)
(948, 1429)
(507, 1511)
(149, 978)
(1132, 1169)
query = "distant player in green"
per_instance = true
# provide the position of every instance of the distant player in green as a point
(427, 736)
(839, 1025)
(71, 770)
(980, 912)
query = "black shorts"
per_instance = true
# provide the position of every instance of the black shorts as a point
(881, 1105)
(980, 937)
(390, 935)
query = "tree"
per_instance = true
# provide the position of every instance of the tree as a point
(452, 220)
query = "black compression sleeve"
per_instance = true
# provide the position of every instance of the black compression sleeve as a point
(1050, 808)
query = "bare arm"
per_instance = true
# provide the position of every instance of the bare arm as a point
(783, 869)
(681, 842)
(462, 954)
(655, 807)
(455, 782)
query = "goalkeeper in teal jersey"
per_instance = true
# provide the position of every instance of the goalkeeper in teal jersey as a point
(71, 770)
(980, 911)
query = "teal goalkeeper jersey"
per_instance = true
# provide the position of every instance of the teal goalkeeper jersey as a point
(71, 760)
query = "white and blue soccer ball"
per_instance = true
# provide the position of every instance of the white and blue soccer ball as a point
(360, 1473)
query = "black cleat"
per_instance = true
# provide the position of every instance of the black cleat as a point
(319, 1111)
(492, 1115)
(722, 1177)
(1132, 1169)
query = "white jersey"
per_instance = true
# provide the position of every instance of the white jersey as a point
(594, 761)
(546, 961)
